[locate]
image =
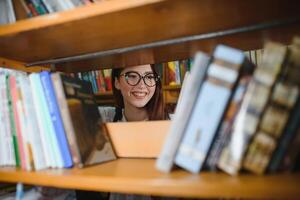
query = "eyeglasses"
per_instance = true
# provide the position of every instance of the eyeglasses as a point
(133, 78)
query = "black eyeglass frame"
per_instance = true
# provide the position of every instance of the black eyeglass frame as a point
(156, 79)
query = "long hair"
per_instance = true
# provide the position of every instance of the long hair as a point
(154, 107)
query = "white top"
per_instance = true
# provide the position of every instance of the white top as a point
(108, 113)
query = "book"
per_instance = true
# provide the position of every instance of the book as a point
(277, 114)
(34, 143)
(56, 119)
(12, 122)
(224, 132)
(250, 112)
(88, 142)
(49, 140)
(167, 155)
(16, 119)
(210, 106)
(7, 14)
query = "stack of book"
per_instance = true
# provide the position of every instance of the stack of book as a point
(234, 116)
(49, 120)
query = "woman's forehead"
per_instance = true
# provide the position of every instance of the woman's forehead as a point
(141, 69)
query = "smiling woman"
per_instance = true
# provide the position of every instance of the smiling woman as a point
(138, 93)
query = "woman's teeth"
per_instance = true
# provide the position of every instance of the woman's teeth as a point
(139, 94)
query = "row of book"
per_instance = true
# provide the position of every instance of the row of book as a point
(173, 72)
(234, 116)
(34, 8)
(99, 79)
(41, 7)
(7, 14)
(49, 120)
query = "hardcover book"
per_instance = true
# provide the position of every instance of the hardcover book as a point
(209, 108)
(252, 108)
(167, 155)
(89, 144)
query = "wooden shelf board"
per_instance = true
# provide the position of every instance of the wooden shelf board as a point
(171, 87)
(139, 176)
(11, 64)
(104, 94)
(118, 24)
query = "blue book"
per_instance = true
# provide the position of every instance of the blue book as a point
(56, 119)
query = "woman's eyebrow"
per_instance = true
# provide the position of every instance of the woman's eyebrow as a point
(148, 72)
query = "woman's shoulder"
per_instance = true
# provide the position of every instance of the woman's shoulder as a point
(107, 113)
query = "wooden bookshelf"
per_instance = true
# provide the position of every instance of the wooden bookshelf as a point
(119, 24)
(105, 98)
(138, 176)
(113, 25)
(172, 87)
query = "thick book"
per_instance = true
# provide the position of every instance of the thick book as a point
(210, 106)
(224, 132)
(253, 105)
(88, 142)
(167, 155)
(277, 116)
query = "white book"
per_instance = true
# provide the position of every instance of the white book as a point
(69, 3)
(24, 131)
(183, 87)
(183, 111)
(49, 6)
(209, 108)
(7, 128)
(3, 152)
(50, 127)
(46, 140)
(77, 3)
(34, 134)
(55, 5)
(3, 12)
(11, 12)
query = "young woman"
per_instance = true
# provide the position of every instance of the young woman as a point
(138, 94)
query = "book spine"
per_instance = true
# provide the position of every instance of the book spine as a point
(248, 117)
(8, 130)
(45, 137)
(223, 135)
(28, 12)
(16, 117)
(209, 109)
(66, 118)
(166, 157)
(50, 127)
(48, 6)
(56, 119)
(31, 125)
(285, 140)
(3, 146)
(11, 12)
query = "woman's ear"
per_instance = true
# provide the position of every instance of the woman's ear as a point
(117, 84)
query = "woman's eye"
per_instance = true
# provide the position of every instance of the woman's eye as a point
(132, 76)
(150, 77)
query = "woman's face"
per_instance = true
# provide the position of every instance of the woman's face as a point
(133, 88)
